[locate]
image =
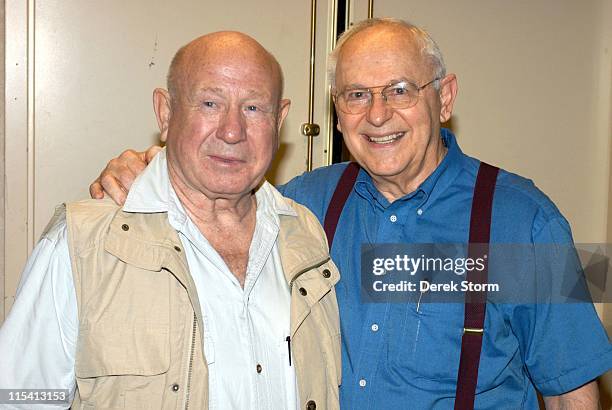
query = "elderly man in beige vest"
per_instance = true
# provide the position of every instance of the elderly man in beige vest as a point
(207, 289)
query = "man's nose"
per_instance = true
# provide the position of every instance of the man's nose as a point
(379, 111)
(232, 127)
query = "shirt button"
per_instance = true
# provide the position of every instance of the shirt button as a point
(362, 382)
(374, 327)
(175, 387)
(258, 368)
(420, 211)
(393, 218)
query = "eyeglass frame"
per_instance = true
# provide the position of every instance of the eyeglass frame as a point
(418, 88)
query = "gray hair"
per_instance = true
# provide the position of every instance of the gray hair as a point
(429, 48)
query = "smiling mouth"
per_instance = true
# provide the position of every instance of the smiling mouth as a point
(385, 139)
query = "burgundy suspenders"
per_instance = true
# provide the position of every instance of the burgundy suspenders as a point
(341, 194)
(475, 302)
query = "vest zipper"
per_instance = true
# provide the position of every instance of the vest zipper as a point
(193, 340)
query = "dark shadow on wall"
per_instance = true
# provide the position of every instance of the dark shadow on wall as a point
(284, 150)
(452, 124)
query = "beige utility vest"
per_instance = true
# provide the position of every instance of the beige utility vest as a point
(140, 322)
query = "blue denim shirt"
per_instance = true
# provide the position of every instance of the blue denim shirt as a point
(396, 356)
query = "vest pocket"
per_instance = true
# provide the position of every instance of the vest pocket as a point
(136, 349)
(122, 366)
(115, 362)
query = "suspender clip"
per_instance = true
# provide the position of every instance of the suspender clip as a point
(473, 330)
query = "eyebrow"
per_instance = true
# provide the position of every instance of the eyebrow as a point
(255, 93)
(355, 86)
(215, 90)
(248, 94)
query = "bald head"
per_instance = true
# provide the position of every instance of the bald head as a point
(389, 33)
(230, 47)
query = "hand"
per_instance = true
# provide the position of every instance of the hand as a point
(116, 179)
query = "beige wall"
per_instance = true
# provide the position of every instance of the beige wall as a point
(606, 125)
(2, 162)
(606, 106)
(16, 127)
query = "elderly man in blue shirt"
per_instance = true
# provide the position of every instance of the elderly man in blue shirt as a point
(415, 185)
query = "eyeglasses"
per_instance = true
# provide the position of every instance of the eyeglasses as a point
(403, 94)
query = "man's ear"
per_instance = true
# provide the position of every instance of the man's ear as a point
(448, 92)
(283, 110)
(338, 126)
(163, 111)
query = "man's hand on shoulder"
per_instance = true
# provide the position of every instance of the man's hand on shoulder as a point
(119, 174)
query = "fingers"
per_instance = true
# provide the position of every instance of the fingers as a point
(117, 178)
(124, 168)
(113, 187)
(127, 171)
(152, 152)
(95, 190)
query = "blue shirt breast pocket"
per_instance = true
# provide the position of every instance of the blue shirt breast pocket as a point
(428, 343)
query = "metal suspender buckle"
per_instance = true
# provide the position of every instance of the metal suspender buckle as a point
(473, 330)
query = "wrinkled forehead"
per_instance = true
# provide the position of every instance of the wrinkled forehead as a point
(230, 68)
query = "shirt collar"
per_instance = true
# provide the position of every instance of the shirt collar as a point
(438, 181)
(152, 192)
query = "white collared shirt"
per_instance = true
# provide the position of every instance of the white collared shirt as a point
(244, 329)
